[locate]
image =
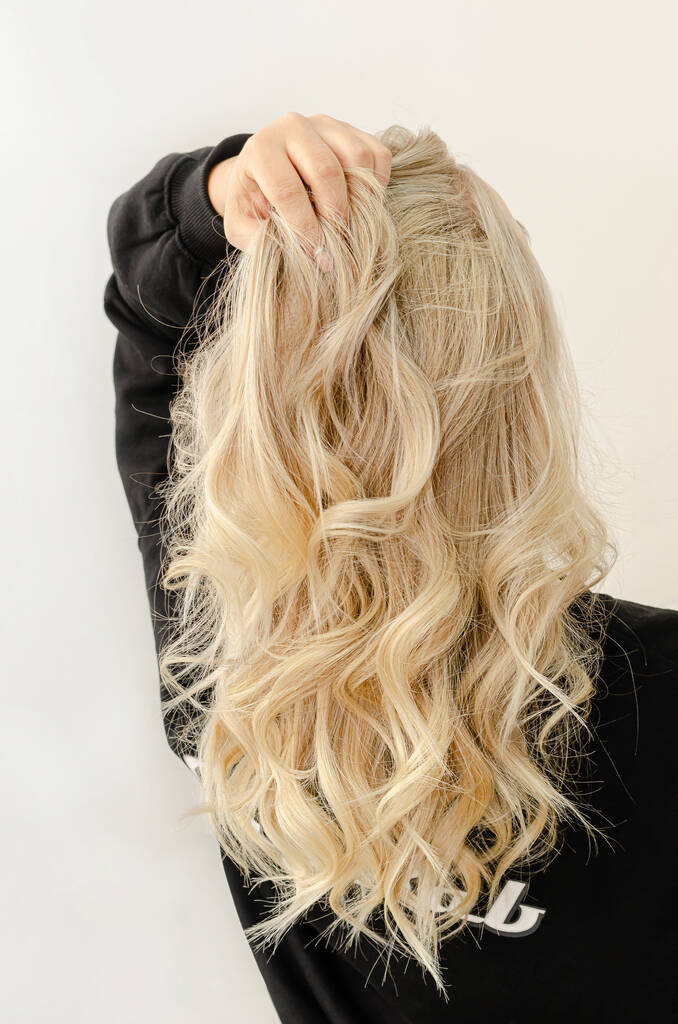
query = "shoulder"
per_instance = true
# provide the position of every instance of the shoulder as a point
(627, 774)
(635, 702)
(644, 637)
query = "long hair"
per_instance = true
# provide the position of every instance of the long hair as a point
(381, 546)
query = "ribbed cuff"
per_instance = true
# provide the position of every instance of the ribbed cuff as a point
(200, 227)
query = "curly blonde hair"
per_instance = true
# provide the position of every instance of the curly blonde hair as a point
(381, 547)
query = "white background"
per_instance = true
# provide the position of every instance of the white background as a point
(113, 910)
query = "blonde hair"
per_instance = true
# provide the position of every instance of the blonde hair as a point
(378, 534)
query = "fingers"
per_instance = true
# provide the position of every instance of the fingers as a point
(245, 207)
(280, 183)
(319, 168)
(382, 157)
(354, 147)
(253, 202)
(280, 163)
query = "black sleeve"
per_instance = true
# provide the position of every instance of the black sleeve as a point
(165, 240)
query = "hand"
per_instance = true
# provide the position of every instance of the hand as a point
(274, 167)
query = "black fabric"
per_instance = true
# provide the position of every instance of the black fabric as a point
(594, 933)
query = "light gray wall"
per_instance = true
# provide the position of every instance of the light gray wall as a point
(113, 910)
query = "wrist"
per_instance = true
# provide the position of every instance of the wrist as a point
(217, 180)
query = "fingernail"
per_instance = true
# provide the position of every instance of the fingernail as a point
(322, 258)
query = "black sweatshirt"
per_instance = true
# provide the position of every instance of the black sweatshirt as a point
(590, 937)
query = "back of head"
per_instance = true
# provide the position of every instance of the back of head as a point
(378, 530)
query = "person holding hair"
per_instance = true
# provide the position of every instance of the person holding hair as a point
(438, 763)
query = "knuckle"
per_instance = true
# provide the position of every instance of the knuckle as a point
(288, 193)
(328, 170)
(362, 154)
